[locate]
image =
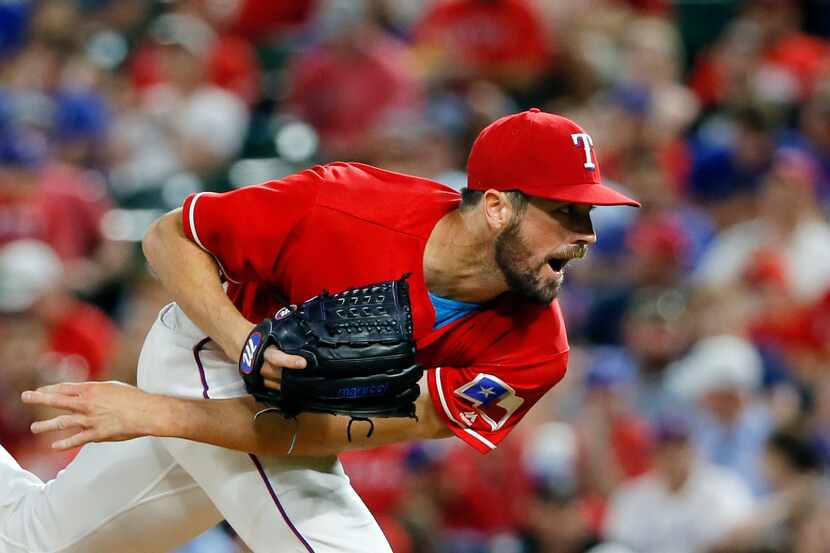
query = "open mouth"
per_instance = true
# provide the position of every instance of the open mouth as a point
(558, 264)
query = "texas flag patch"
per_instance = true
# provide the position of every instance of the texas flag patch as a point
(492, 398)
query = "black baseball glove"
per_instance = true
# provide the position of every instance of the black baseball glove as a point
(359, 348)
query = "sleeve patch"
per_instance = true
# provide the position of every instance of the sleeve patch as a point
(492, 399)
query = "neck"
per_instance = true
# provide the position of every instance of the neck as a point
(459, 260)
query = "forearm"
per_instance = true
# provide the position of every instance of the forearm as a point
(227, 423)
(191, 275)
(231, 424)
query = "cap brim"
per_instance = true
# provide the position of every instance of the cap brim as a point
(594, 194)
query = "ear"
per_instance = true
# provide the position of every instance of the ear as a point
(498, 211)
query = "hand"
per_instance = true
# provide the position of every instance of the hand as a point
(99, 412)
(275, 362)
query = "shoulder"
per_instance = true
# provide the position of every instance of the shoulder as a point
(404, 202)
(361, 175)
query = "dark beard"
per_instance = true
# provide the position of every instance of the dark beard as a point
(511, 257)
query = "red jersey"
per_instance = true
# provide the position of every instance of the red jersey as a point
(347, 224)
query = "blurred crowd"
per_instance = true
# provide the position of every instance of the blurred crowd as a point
(695, 416)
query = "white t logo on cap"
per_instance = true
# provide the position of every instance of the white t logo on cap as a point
(586, 145)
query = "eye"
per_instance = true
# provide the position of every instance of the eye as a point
(566, 209)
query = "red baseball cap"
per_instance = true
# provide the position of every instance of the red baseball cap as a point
(542, 155)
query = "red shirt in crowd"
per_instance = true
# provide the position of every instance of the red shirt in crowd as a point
(378, 476)
(487, 496)
(85, 331)
(256, 19)
(346, 96)
(346, 224)
(803, 57)
(231, 64)
(63, 209)
(487, 35)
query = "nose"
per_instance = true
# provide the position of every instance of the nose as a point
(584, 233)
(587, 239)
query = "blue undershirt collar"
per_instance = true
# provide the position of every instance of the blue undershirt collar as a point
(447, 310)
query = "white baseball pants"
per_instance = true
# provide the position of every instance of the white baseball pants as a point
(151, 494)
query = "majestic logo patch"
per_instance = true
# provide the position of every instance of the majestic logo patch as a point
(283, 313)
(492, 398)
(246, 365)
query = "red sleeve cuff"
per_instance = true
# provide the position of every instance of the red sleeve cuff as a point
(471, 437)
(188, 218)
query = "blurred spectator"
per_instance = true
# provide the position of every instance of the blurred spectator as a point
(20, 349)
(651, 91)
(656, 331)
(231, 60)
(725, 173)
(183, 125)
(14, 23)
(51, 87)
(657, 252)
(556, 523)
(813, 136)
(500, 40)
(786, 50)
(257, 19)
(615, 441)
(379, 478)
(357, 80)
(47, 336)
(763, 56)
(60, 205)
(482, 500)
(817, 426)
(788, 223)
(80, 339)
(722, 375)
(683, 505)
(790, 520)
(424, 150)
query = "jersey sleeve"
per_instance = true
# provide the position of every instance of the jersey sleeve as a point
(246, 229)
(481, 404)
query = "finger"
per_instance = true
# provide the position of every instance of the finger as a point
(282, 359)
(64, 388)
(63, 422)
(69, 403)
(269, 371)
(273, 384)
(77, 440)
